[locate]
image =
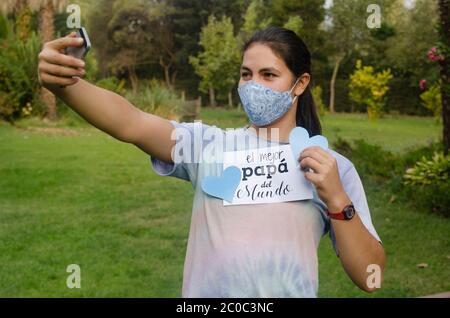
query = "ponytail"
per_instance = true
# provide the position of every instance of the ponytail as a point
(306, 115)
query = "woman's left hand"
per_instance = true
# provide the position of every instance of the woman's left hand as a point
(325, 176)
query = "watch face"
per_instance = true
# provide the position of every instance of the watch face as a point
(349, 212)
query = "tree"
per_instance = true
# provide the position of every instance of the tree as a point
(348, 33)
(311, 12)
(414, 32)
(167, 52)
(444, 35)
(345, 34)
(188, 19)
(218, 63)
(295, 23)
(138, 34)
(257, 16)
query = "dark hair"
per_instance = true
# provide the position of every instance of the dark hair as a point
(291, 48)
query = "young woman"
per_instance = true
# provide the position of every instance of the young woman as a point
(252, 250)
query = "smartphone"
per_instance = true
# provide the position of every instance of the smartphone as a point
(80, 51)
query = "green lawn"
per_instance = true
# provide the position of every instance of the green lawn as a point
(392, 132)
(72, 195)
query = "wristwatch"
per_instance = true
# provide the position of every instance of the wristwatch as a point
(346, 214)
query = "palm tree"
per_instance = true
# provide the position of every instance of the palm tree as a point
(46, 9)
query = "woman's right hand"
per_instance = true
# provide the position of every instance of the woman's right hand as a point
(103, 109)
(56, 69)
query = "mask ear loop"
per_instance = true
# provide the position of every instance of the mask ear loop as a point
(293, 101)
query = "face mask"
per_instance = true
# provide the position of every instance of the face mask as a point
(263, 105)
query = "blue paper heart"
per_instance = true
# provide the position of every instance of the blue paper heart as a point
(299, 140)
(224, 186)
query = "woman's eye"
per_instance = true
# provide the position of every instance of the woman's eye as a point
(270, 75)
(245, 75)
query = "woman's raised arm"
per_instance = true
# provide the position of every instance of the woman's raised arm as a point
(103, 109)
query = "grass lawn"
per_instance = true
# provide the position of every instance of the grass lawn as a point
(395, 133)
(70, 194)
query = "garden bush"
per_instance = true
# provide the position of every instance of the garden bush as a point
(113, 84)
(430, 179)
(19, 87)
(370, 160)
(369, 88)
(419, 176)
(154, 97)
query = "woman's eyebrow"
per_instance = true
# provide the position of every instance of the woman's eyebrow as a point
(269, 69)
(263, 70)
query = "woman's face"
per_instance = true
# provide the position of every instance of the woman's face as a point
(261, 65)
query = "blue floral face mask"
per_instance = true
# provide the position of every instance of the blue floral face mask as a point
(263, 105)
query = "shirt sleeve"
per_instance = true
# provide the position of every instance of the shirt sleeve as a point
(354, 188)
(187, 152)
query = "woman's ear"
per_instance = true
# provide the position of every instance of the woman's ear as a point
(302, 84)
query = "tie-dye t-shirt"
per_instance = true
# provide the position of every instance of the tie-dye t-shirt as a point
(254, 250)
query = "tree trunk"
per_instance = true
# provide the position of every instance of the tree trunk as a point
(47, 30)
(444, 11)
(174, 78)
(230, 100)
(170, 80)
(167, 76)
(198, 105)
(333, 83)
(212, 97)
(133, 78)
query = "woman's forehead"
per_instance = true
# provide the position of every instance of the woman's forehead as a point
(259, 56)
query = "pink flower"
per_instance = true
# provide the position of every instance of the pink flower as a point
(434, 56)
(423, 84)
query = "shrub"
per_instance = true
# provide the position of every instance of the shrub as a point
(430, 178)
(19, 85)
(425, 183)
(370, 160)
(431, 99)
(154, 97)
(113, 84)
(369, 88)
(428, 171)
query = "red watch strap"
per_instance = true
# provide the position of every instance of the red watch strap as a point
(336, 216)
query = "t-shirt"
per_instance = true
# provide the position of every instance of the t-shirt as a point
(253, 250)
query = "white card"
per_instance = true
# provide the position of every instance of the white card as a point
(268, 175)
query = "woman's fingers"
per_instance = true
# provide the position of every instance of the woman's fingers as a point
(315, 178)
(64, 42)
(54, 57)
(312, 163)
(320, 161)
(70, 35)
(315, 152)
(57, 80)
(53, 51)
(59, 70)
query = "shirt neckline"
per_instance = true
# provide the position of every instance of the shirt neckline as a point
(251, 133)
